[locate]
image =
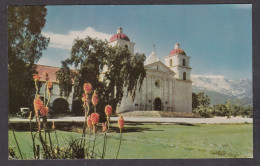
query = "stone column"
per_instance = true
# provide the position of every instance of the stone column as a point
(172, 94)
(141, 97)
(163, 98)
(146, 93)
(169, 91)
(151, 83)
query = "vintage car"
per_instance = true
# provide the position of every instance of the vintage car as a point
(51, 113)
(23, 113)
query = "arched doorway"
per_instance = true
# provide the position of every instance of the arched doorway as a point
(60, 105)
(158, 104)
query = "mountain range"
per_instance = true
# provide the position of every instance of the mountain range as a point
(219, 89)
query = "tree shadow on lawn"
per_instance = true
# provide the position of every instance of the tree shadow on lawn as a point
(78, 127)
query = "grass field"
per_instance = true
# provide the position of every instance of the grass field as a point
(151, 141)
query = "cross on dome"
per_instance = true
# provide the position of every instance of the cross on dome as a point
(177, 46)
(119, 30)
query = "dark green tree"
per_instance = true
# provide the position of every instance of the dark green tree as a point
(247, 111)
(200, 105)
(203, 99)
(204, 111)
(220, 110)
(110, 70)
(230, 108)
(25, 45)
(234, 107)
(200, 99)
(195, 102)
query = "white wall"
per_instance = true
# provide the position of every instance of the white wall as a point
(122, 43)
(177, 65)
(56, 94)
(182, 96)
(149, 92)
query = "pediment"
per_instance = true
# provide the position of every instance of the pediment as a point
(159, 67)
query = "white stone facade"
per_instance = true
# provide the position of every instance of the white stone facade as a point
(167, 87)
(161, 90)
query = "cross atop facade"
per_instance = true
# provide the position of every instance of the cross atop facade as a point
(154, 47)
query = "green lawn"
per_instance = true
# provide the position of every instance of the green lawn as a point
(144, 141)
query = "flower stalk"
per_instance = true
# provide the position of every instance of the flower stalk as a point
(33, 140)
(119, 143)
(80, 148)
(87, 87)
(93, 149)
(121, 123)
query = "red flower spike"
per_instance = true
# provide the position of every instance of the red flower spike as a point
(84, 98)
(87, 88)
(44, 111)
(108, 110)
(95, 98)
(38, 104)
(89, 122)
(36, 77)
(121, 122)
(94, 118)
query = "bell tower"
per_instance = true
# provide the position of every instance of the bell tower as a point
(179, 62)
(122, 40)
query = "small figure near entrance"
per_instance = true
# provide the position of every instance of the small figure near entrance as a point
(158, 104)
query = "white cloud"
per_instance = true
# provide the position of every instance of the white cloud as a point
(50, 61)
(207, 76)
(65, 41)
(242, 6)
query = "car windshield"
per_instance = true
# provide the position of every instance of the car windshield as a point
(24, 109)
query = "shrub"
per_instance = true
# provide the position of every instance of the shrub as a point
(220, 110)
(11, 153)
(247, 112)
(204, 111)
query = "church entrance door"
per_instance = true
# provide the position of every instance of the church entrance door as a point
(158, 104)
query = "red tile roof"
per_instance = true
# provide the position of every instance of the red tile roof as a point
(177, 51)
(119, 36)
(41, 69)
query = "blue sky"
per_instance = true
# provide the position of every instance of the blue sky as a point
(218, 38)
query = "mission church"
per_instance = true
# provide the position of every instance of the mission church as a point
(167, 86)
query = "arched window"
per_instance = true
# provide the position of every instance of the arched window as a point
(126, 46)
(170, 62)
(184, 75)
(157, 83)
(183, 62)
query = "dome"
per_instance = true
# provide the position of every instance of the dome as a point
(152, 58)
(177, 50)
(119, 35)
